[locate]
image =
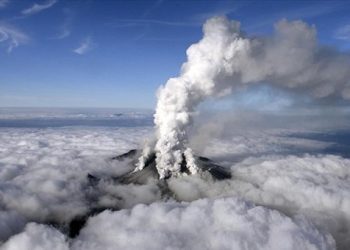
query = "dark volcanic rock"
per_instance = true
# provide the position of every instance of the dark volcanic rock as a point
(150, 170)
(126, 155)
(97, 187)
(149, 173)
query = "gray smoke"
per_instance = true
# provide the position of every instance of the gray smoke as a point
(225, 60)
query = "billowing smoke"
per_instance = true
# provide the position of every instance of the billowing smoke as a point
(226, 59)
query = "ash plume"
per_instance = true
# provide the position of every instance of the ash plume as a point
(226, 60)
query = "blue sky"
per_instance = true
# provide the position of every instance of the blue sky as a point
(99, 53)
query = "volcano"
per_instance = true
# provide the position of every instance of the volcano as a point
(147, 175)
(149, 171)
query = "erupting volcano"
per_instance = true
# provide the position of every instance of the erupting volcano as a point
(149, 169)
(225, 60)
(268, 186)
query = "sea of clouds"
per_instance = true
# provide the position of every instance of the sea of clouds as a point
(287, 192)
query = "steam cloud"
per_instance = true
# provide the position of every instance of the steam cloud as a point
(43, 181)
(43, 171)
(224, 60)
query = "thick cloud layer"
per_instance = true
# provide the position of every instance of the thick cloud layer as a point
(316, 187)
(225, 60)
(37, 237)
(43, 171)
(43, 180)
(10, 223)
(229, 223)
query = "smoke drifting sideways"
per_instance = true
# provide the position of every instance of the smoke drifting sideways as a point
(227, 60)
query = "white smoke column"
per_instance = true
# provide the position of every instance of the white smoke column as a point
(224, 60)
(179, 97)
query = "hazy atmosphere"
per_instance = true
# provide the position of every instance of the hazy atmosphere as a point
(174, 124)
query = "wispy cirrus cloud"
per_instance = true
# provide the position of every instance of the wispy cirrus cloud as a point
(65, 29)
(4, 3)
(12, 37)
(36, 8)
(146, 22)
(64, 32)
(223, 9)
(154, 6)
(86, 45)
(196, 21)
(343, 33)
